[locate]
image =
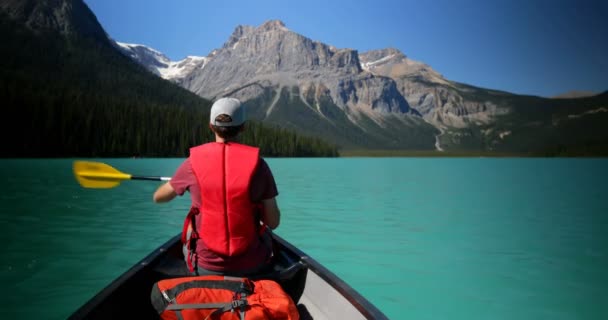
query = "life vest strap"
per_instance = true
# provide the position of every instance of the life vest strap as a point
(187, 221)
(188, 238)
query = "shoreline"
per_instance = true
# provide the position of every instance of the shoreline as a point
(458, 154)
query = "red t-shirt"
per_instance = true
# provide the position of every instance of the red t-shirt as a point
(262, 187)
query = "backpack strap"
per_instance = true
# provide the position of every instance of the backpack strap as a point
(219, 307)
(244, 286)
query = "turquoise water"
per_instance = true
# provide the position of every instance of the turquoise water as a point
(470, 238)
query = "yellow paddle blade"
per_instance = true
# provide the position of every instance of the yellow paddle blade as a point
(98, 175)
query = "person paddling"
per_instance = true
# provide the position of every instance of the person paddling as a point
(233, 196)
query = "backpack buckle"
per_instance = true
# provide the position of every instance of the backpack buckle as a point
(238, 303)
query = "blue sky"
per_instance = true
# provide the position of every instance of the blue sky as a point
(537, 47)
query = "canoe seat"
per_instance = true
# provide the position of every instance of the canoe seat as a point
(172, 267)
(280, 272)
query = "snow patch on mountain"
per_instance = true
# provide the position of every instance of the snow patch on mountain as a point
(179, 69)
(393, 63)
(160, 64)
(367, 66)
(598, 110)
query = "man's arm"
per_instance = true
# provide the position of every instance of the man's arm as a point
(164, 193)
(271, 215)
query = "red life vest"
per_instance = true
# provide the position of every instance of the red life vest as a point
(228, 224)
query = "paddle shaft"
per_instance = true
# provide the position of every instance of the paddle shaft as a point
(150, 178)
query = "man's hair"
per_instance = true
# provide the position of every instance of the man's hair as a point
(226, 132)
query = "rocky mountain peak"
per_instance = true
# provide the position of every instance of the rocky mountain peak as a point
(238, 33)
(272, 25)
(241, 32)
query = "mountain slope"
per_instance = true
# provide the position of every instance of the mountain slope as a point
(70, 92)
(575, 126)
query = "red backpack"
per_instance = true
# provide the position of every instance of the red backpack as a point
(220, 297)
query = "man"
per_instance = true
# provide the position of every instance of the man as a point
(233, 195)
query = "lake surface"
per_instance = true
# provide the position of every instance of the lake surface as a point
(422, 238)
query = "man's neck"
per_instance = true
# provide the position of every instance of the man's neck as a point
(222, 140)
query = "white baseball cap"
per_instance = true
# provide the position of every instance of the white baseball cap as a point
(231, 107)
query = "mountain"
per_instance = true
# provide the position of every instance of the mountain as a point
(382, 99)
(68, 91)
(294, 82)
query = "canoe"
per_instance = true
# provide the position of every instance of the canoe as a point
(317, 292)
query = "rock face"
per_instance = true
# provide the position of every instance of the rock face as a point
(272, 56)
